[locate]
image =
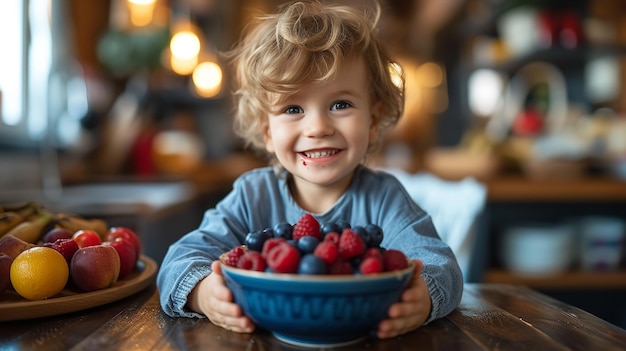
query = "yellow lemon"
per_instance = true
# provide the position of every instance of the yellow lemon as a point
(39, 273)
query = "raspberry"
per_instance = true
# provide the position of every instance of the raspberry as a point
(270, 244)
(252, 260)
(307, 225)
(232, 257)
(340, 266)
(333, 237)
(373, 252)
(394, 259)
(350, 244)
(371, 265)
(327, 251)
(283, 258)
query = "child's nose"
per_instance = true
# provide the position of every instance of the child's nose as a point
(318, 124)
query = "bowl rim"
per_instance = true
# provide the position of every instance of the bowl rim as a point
(398, 273)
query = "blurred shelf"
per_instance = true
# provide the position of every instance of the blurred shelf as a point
(567, 280)
(592, 189)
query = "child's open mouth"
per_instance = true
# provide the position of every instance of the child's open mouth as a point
(320, 153)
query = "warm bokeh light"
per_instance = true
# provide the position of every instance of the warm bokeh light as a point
(183, 67)
(185, 45)
(429, 75)
(207, 79)
(141, 12)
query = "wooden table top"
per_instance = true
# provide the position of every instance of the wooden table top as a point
(490, 317)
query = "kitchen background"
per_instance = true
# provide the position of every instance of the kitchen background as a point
(120, 109)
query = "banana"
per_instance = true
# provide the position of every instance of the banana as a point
(31, 231)
(75, 223)
(8, 221)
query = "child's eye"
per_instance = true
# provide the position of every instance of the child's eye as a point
(293, 110)
(340, 105)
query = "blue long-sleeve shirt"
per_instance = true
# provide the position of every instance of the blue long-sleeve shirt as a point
(261, 198)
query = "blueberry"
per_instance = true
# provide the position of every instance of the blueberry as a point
(256, 239)
(283, 230)
(311, 264)
(375, 235)
(343, 224)
(330, 227)
(307, 244)
(269, 232)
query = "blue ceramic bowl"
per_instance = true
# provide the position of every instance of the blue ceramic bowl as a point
(316, 310)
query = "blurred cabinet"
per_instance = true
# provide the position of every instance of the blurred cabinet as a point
(515, 200)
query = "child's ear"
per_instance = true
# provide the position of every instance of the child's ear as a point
(377, 111)
(267, 137)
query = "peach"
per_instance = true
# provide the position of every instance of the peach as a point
(13, 246)
(95, 267)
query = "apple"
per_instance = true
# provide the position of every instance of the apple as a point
(13, 246)
(126, 234)
(86, 238)
(128, 256)
(67, 247)
(56, 233)
(95, 267)
(5, 270)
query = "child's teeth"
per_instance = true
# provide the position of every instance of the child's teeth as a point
(318, 154)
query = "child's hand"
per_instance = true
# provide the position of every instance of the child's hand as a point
(412, 311)
(212, 298)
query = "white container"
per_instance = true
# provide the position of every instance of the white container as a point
(601, 243)
(538, 249)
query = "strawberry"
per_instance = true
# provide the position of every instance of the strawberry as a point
(307, 225)
(283, 258)
(252, 260)
(232, 257)
(350, 244)
(371, 265)
(394, 259)
(327, 251)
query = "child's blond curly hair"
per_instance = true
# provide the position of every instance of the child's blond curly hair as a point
(306, 42)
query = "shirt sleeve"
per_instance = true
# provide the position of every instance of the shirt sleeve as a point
(410, 229)
(189, 259)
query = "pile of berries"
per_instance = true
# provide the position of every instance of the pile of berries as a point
(310, 248)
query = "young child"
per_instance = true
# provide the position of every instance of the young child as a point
(316, 90)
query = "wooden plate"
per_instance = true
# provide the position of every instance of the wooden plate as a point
(13, 307)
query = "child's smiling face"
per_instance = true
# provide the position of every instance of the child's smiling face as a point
(323, 132)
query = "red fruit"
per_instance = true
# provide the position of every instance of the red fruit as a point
(5, 269)
(350, 244)
(67, 247)
(332, 237)
(373, 252)
(340, 266)
(252, 260)
(86, 238)
(283, 258)
(327, 251)
(394, 260)
(307, 225)
(371, 265)
(128, 256)
(126, 234)
(56, 233)
(232, 257)
(95, 267)
(270, 244)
